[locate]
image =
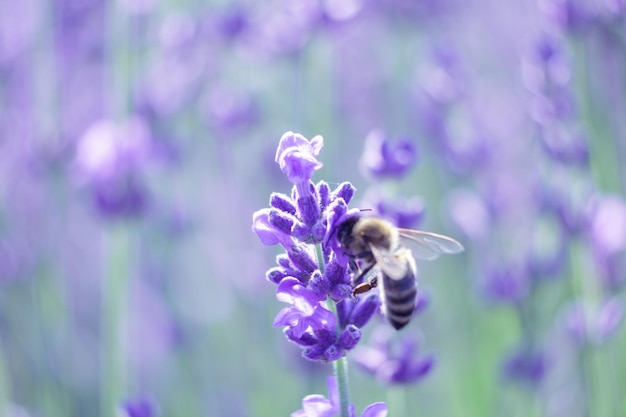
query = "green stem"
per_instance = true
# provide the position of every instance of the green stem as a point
(5, 383)
(397, 400)
(340, 366)
(577, 288)
(114, 305)
(121, 61)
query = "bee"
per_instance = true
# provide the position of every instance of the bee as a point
(386, 253)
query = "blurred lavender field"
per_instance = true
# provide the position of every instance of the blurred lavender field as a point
(138, 137)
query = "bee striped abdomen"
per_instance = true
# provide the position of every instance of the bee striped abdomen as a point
(399, 300)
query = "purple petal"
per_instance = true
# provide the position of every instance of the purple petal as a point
(317, 406)
(290, 290)
(608, 225)
(266, 232)
(375, 410)
(333, 390)
(296, 156)
(368, 358)
(609, 318)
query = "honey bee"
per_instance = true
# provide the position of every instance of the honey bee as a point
(386, 253)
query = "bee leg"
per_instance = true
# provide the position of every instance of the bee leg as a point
(362, 274)
(364, 287)
(354, 267)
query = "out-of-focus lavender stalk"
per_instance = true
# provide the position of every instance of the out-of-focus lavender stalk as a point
(4, 383)
(397, 398)
(596, 368)
(604, 155)
(117, 248)
(114, 295)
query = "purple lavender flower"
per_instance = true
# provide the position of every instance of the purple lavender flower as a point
(383, 158)
(526, 366)
(593, 325)
(228, 111)
(393, 362)
(406, 213)
(141, 407)
(110, 158)
(470, 213)
(506, 283)
(566, 15)
(306, 311)
(464, 143)
(608, 319)
(297, 156)
(285, 27)
(18, 28)
(607, 234)
(232, 22)
(547, 75)
(299, 223)
(319, 406)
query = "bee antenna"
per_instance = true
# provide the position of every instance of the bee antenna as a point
(366, 209)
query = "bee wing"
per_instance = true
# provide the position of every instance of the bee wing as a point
(391, 265)
(426, 245)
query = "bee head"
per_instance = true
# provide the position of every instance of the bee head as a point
(344, 231)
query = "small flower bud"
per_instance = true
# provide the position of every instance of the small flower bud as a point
(302, 259)
(309, 210)
(345, 191)
(275, 275)
(324, 191)
(364, 310)
(283, 203)
(349, 337)
(281, 221)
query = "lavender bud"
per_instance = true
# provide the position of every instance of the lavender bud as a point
(325, 337)
(275, 275)
(281, 221)
(283, 203)
(318, 231)
(332, 353)
(283, 260)
(336, 273)
(304, 339)
(296, 156)
(319, 283)
(340, 292)
(302, 260)
(344, 309)
(344, 191)
(324, 192)
(349, 337)
(301, 232)
(364, 310)
(313, 353)
(309, 209)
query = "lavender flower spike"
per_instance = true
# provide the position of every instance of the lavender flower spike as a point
(318, 406)
(141, 407)
(297, 156)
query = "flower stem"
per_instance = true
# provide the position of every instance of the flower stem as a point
(340, 368)
(114, 300)
(397, 400)
(5, 382)
(578, 290)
